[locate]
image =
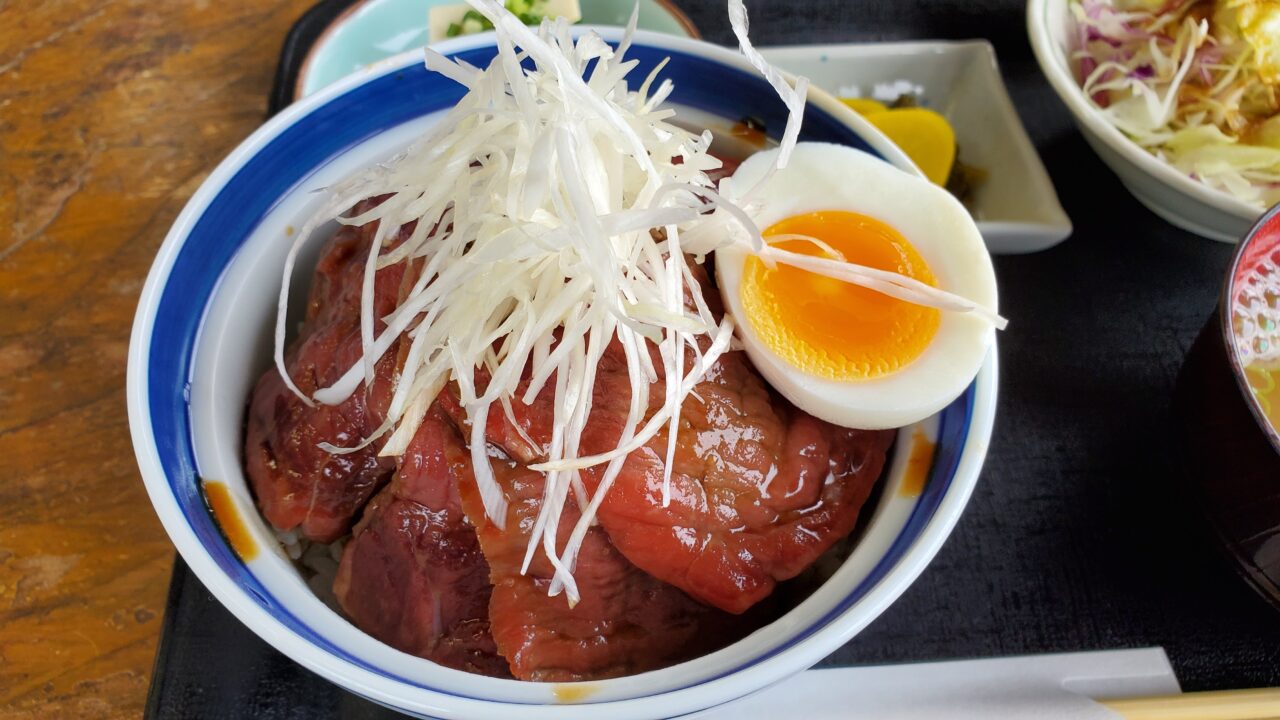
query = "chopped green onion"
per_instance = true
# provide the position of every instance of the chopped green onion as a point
(473, 18)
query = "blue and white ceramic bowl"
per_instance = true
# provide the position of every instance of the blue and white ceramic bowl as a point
(202, 337)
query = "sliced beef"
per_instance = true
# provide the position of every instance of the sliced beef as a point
(626, 621)
(412, 574)
(298, 484)
(759, 488)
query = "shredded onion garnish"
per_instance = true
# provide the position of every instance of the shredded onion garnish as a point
(557, 211)
(1193, 82)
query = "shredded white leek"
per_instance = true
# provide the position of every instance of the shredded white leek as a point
(556, 209)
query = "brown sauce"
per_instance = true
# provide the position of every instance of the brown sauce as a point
(751, 132)
(230, 520)
(919, 462)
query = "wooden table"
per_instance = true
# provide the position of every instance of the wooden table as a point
(111, 114)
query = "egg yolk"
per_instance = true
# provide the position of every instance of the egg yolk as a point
(829, 328)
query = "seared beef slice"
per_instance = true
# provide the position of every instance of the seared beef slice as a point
(759, 489)
(626, 621)
(298, 484)
(413, 575)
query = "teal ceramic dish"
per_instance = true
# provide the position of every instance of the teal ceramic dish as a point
(374, 30)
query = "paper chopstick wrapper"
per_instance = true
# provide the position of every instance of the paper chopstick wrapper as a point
(1045, 687)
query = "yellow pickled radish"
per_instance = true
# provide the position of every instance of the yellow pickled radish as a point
(924, 135)
(864, 106)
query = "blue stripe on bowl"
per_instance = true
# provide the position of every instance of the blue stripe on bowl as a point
(348, 119)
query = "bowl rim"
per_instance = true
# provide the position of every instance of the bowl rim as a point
(395, 693)
(1225, 301)
(1069, 91)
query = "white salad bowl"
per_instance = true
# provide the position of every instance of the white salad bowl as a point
(1166, 191)
(202, 337)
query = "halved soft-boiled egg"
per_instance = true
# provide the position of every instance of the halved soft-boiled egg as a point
(844, 353)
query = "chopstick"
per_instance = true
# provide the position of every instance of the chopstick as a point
(1256, 704)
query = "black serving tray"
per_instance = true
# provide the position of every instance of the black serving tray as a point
(1079, 536)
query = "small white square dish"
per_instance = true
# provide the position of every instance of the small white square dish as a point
(1016, 206)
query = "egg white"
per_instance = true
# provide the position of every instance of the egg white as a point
(823, 176)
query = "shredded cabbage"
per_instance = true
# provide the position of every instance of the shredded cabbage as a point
(557, 211)
(1183, 81)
